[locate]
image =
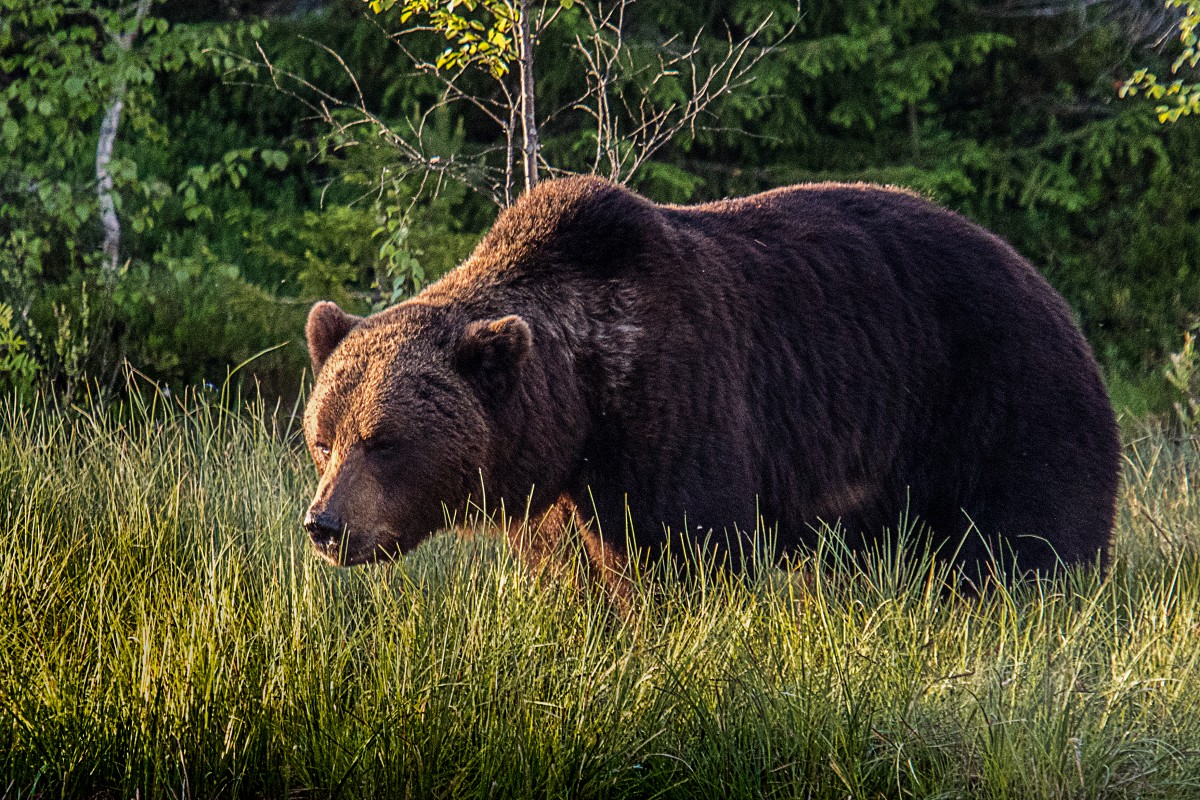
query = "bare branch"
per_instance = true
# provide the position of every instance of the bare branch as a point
(415, 156)
(622, 92)
(544, 22)
(629, 107)
(1141, 23)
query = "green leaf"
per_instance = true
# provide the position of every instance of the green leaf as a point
(275, 158)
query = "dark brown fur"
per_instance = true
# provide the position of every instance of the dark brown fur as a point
(817, 353)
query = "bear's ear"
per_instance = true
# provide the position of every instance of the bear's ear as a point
(491, 350)
(327, 326)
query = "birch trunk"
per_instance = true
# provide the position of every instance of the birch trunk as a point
(104, 150)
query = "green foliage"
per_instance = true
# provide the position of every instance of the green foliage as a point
(232, 168)
(401, 273)
(187, 319)
(1183, 96)
(321, 253)
(65, 67)
(1183, 374)
(18, 370)
(362, 255)
(190, 642)
(480, 31)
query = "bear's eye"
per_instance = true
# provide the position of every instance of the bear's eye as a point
(321, 448)
(381, 446)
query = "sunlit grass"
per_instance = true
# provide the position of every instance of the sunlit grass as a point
(164, 631)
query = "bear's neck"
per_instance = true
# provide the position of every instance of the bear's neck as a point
(586, 337)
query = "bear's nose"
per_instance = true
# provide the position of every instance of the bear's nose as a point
(323, 528)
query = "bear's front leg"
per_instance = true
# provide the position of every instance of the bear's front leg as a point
(548, 544)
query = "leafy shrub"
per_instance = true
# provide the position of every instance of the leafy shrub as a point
(190, 319)
(18, 370)
(1183, 374)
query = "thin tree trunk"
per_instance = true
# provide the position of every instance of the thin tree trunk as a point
(914, 132)
(104, 151)
(510, 180)
(104, 182)
(529, 134)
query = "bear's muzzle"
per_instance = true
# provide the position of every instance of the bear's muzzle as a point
(326, 532)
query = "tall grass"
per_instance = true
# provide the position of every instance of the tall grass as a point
(164, 632)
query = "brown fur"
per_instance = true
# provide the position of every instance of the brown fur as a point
(837, 353)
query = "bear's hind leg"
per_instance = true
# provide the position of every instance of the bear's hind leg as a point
(1040, 515)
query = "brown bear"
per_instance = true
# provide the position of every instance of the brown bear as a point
(831, 353)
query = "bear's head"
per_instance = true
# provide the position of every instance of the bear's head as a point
(401, 421)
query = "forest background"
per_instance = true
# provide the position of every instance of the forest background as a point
(269, 154)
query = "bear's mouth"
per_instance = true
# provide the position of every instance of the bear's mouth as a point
(352, 549)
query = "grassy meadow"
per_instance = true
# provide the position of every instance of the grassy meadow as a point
(164, 632)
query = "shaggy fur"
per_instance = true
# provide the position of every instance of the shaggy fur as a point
(817, 353)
